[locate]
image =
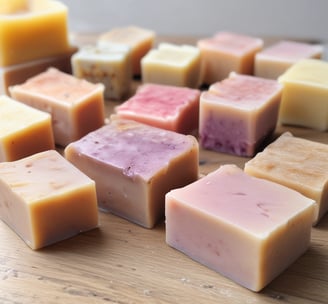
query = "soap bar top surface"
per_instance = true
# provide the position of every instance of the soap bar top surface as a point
(313, 72)
(42, 175)
(243, 91)
(135, 148)
(256, 205)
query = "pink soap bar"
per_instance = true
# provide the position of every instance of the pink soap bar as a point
(248, 229)
(167, 107)
(134, 165)
(274, 60)
(226, 52)
(238, 114)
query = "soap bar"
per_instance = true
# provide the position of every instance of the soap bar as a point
(108, 65)
(274, 60)
(76, 105)
(37, 32)
(45, 199)
(226, 52)
(23, 130)
(167, 107)
(18, 73)
(170, 64)
(305, 96)
(248, 229)
(134, 165)
(297, 163)
(238, 114)
(139, 40)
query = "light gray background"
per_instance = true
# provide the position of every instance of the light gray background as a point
(300, 19)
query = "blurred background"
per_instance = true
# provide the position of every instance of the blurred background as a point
(298, 19)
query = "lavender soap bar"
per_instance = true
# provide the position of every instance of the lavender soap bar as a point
(134, 165)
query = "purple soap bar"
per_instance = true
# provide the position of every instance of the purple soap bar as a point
(237, 114)
(134, 165)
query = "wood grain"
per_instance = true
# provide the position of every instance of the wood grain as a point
(123, 263)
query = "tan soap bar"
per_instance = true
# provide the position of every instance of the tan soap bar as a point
(170, 64)
(139, 40)
(23, 130)
(305, 96)
(45, 199)
(134, 165)
(76, 105)
(297, 163)
(18, 73)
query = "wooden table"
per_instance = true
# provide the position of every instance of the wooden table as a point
(123, 263)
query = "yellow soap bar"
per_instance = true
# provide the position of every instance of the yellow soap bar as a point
(45, 199)
(23, 130)
(305, 95)
(37, 32)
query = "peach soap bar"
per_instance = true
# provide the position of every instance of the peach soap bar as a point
(36, 30)
(76, 105)
(167, 107)
(139, 40)
(248, 229)
(274, 60)
(305, 96)
(23, 130)
(108, 65)
(45, 199)
(238, 114)
(134, 165)
(170, 64)
(297, 163)
(227, 52)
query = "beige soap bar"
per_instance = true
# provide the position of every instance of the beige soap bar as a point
(76, 105)
(297, 163)
(139, 40)
(23, 130)
(305, 96)
(45, 199)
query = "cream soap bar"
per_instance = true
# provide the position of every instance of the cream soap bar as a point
(238, 114)
(109, 65)
(45, 199)
(18, 73)
(134, 166)
(139, 41)
(305, 96)
(23, 130)
(167, 107)
(274, 60)
(172, 64)
(297, 163)
(248, 229)
(32, 30)
(226, 52)
(76, 105)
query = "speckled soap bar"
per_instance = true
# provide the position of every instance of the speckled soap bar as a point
(134, 165)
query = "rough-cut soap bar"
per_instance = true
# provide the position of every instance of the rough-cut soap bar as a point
(76, 105)
(167, 107)
(134, 166)
(305, 96)
(172, 64)
(227, 52)
(238, 114)
(297, 163)
(23, 130)
(18, 73)
(38, 31)
(138, 39)
(274, 60)
(45, 199)
(248, 229)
